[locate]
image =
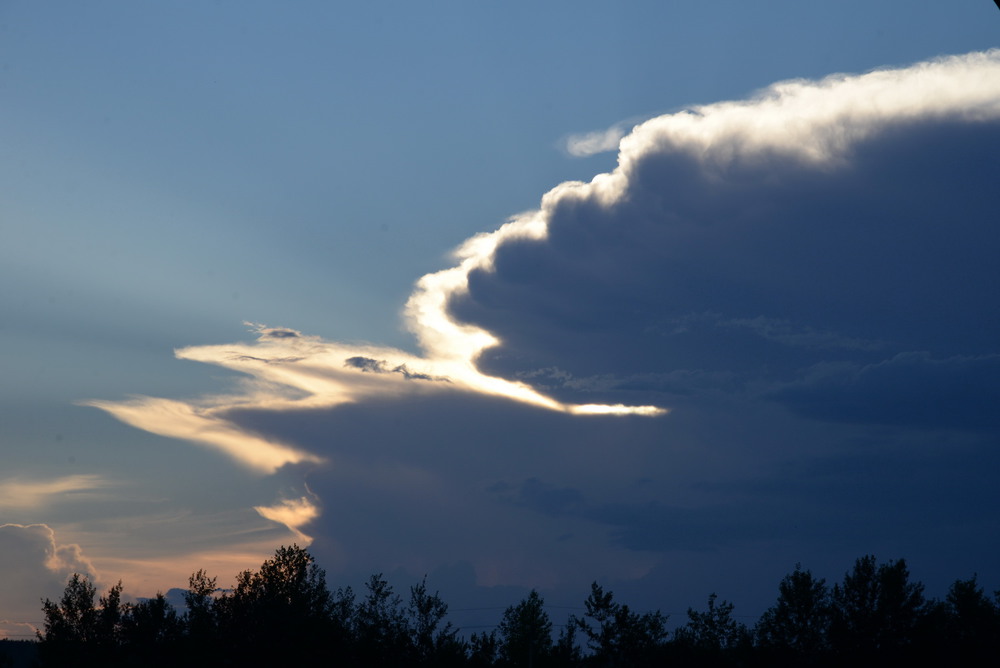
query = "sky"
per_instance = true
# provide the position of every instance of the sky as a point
(667, 295)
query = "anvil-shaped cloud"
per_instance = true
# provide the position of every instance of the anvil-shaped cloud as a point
(737, 254)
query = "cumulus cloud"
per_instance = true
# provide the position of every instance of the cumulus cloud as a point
(782, 272)
(33, 565)
(759, 237)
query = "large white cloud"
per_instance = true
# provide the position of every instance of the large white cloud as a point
(745, 263)
(760, 237)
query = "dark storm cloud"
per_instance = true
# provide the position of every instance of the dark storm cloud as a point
(911, 389)
(807, 279)
(764, 264)
(895, 250)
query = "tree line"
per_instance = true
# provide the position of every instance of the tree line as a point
(284, 613)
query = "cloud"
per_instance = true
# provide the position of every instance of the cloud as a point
(778, 330)
(294, 514)
(17, 493)
(782, 272)
(592, 143)
(206, 425)
(33, 565)
(911, 389)
(291, 371)
(759, 237)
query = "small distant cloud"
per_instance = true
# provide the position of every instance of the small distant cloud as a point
(294, 514)
(591, 143)
(370, 365)
(266, 332)
(366, 364)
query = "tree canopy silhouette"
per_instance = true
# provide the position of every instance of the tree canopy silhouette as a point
(284, 614)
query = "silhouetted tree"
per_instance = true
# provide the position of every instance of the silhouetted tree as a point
(433, 644)
(74, 617)
(382, 632)
(201, 626)
(483, 649)
(715, 629)
(794, 630)
(566, 652)
(150, 633)
(283, 614)
(77, 629)
(875, 611)
(277, 612)
(713, 637)
(526, 633)
(973, 628)
(616, 635)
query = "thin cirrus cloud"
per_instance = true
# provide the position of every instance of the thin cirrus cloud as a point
(823, 253)
(19, 493)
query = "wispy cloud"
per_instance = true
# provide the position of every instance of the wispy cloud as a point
(592, 143)
(20, 493)
(207, 425)
(294, 514)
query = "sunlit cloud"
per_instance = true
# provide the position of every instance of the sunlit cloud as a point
(205, 425)
(592, 143)
(294, 514)
(20, 493)
(820, 121)
(293, 370)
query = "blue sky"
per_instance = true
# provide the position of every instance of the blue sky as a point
(803, 299)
